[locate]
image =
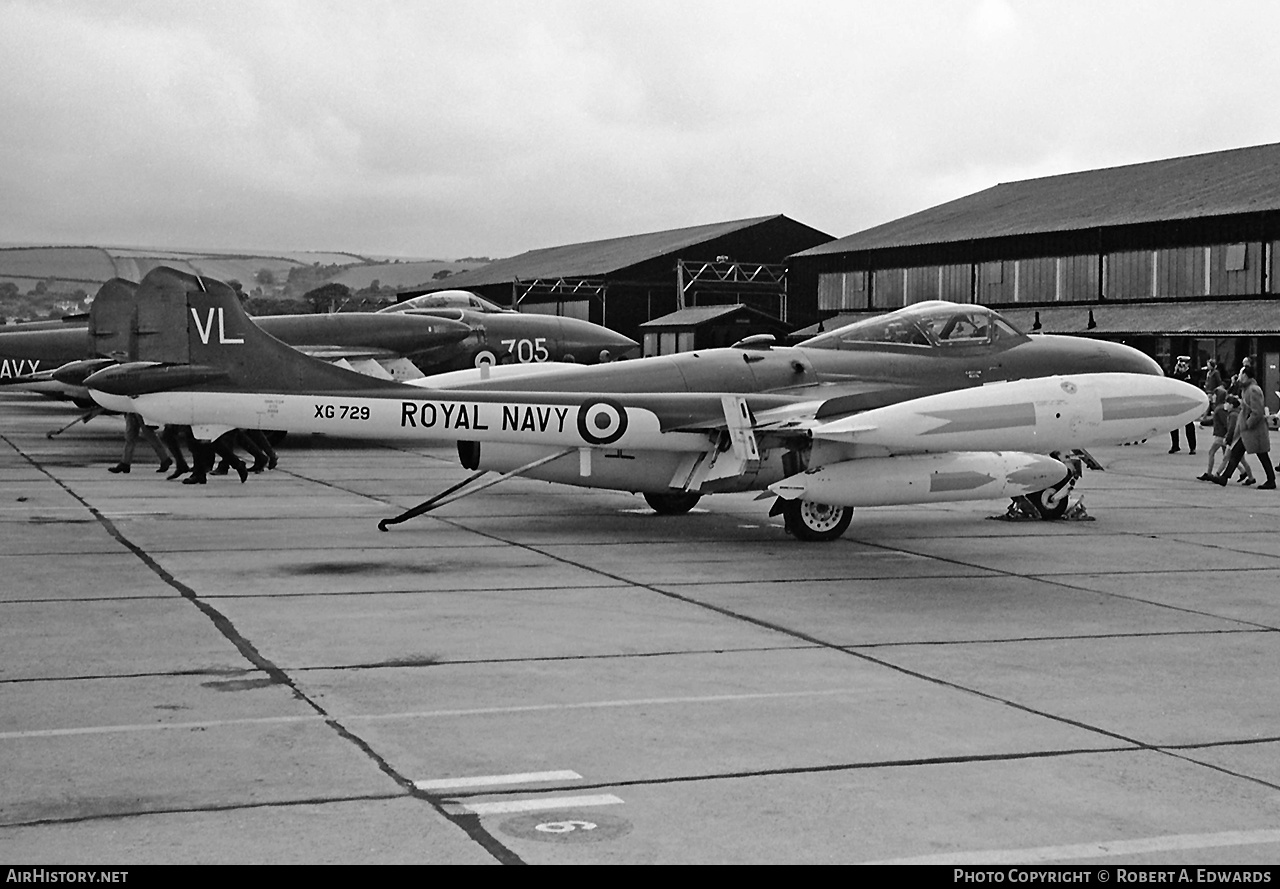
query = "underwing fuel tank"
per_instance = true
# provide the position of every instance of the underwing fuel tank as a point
(142, 377)
(74, 373)
(924, 478)
(1037, 415)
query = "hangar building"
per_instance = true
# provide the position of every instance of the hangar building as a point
(625, 282)
(1175, 257)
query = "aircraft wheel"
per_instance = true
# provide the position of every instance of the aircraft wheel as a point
(807, 520)
(1047, 509)
(672, 504)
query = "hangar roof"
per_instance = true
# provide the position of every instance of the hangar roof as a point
(695, 316)
(597, 258)
(692, 316)
(1242, 180)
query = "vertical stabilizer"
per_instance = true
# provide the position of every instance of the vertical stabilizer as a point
(186, 319)
(162, 315)
(113, 320)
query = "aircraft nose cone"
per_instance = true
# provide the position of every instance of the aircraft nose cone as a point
(592, 341)
(1130, 360)
(1070, 354)
(619, 346)
(113, 380)
(76, 373)
(450, 331)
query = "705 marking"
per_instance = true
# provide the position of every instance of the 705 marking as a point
(528, 351)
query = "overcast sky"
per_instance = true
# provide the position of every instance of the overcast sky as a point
(449, 129)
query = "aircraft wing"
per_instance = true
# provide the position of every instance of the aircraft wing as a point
(40, 376)
(384, 364)
(348, 353)
(798, 408)
(498, 372)
(44, 382)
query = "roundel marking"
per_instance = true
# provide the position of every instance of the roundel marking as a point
(1069, 387)
(602, 421)
(484, 356)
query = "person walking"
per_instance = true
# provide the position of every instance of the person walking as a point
(1233, 435)
(1212, 377)
(1255, 438)
(1212, 380)
(204, 453)
(1221, 415)
(259, 438)
(253, 442)
(172, 436)
(1182, 371)
(134, 429)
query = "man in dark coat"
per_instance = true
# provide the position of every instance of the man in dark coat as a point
(1182, 371)
(1255, 438)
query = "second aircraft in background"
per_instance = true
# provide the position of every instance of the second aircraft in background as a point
(426, 335)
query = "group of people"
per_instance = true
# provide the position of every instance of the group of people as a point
(1238, 414)
(168, 446)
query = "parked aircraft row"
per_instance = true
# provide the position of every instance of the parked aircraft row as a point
(430, 334)
(936, 402)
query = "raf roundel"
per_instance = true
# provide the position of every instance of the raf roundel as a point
(602, 422)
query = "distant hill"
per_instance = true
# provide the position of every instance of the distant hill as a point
(38, 281)
(68, 268)
(402, 275)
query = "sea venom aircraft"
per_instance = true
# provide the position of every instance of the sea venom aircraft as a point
(932, 403)
(430, 334)
(53, 358)
(505, 336)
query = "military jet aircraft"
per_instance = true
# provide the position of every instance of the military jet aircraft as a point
(430, 334)
(53, 358)
(936, 402)
(505, 336)
(28, 356)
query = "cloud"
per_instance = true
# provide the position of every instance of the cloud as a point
(445, 129)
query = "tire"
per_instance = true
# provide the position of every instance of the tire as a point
(810, 521)
(1047, 510)
(672, 504)
(469, 455)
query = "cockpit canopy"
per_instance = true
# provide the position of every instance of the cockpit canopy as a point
(447, 299)
(933, 324)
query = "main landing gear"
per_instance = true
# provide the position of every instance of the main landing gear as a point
(672, 504)
(803, 519)
(806, 520)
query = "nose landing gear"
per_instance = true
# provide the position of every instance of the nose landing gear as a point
(1052, 503)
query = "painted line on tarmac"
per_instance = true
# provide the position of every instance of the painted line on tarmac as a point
(538, 805)
(421, 714)
(626, 702)
(497, 780)
(1105, 849)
